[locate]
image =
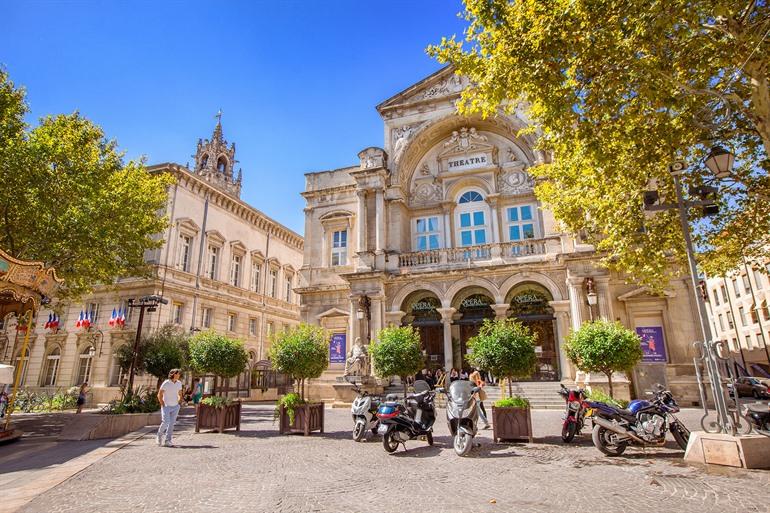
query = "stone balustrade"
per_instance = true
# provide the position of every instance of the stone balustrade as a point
(484, 254)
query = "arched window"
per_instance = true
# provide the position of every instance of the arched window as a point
(51, 367)
(221, 164)
(765, 310)
(472, 219)
(86, 362)
(118, 376)
(470, 197)
(204, 161)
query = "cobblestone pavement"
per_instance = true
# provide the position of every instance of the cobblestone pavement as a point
(258, 470)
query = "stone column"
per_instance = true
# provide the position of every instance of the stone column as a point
(446, 320)
(604, 297)
(561, 312)
(501, 310)
(380, 220)
(393, 318)
(361, 219)
(576, 300)
(376, 312)
(492, 202)
(448, 230)
(355, 324)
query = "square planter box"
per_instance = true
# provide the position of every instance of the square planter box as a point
(307, 418)
(218, 419)
(511, 424)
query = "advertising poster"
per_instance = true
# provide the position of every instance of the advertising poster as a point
(653, 348)
(337, 348)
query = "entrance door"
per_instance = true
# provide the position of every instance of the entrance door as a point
(432, 342)
(547, 352)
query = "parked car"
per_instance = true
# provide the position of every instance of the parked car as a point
(749, 386)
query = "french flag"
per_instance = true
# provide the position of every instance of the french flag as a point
(121, 321)
(88, 319)
(113, 319)
(47, 324)
(79, 322)
(54, 322)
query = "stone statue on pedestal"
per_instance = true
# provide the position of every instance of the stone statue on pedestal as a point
(357, 363)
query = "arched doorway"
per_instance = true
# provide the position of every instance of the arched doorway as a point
(473, 305)
(421, 312)
(530, 306)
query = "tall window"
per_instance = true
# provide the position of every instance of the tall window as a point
(269, 329)
(736, 288)
(724, 293)
(93, 309)
(742, 314)
(213, 265)
(253, 327)
(185, 249)
(340, 247)
(51, 367)
(128, 312)
(235, 271)
(86, 360)
(716, 297)
(427, 234)
(748, 341)
(256, 270)
(730, 322)
(721, 322)
(754, 315)
(472, 217)
(207, 315)
(288, 288)
(177, 313)
(273, 282)
(118, 375)
(232, 320)
(758, 278)
(746, 283)
(521, 222)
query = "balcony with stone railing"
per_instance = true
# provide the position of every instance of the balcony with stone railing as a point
(529, 250)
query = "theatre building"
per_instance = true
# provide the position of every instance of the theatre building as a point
(440, 229)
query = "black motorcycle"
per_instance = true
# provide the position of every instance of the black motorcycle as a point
(644, 423)
(410, 420)
(759, 415)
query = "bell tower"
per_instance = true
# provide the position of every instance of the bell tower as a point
(215, 162)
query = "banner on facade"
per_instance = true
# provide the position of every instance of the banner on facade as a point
(337, 348)
(653, 347)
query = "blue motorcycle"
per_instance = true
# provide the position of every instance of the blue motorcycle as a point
(643, 422)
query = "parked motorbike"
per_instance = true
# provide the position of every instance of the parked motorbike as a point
(577, 409)
(644, 423)
(412, 419)
(759, 415)
(462, 414)
(364, 412)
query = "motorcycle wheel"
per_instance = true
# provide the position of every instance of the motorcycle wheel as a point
(463, 443)
(429, 438)
(389, 441)
(602, 441)
(568, 431)
(681, 434)
(359, 431)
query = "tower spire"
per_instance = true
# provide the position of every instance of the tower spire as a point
(218, 129)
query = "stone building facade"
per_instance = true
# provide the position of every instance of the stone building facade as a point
(440, 229)
(224, 265)
(739, 311)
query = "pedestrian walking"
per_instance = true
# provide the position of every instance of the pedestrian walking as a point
(475, 379)
(3, 403)
(197, 391)
(82, 397)
(169, 395)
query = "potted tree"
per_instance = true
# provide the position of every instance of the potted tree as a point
(604, 346)
(224, 357)
(301, 352)
(397, 352)
(506, 348)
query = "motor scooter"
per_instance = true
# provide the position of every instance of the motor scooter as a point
(462, 414)
(414, 418)
(364, 412)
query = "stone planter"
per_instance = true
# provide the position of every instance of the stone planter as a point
(94, 426)
(511, 424)
(307, 418)
(218, 419)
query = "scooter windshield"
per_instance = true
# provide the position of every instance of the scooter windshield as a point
(460, 391)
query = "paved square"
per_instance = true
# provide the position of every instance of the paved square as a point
(259, 470)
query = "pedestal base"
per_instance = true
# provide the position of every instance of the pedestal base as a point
(345, 393)
(747, 451)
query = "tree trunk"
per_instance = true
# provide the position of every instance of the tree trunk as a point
(510, 388)
(214, 390)
(403, 380)
(609, 382)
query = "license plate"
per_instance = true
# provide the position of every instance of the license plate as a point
(381, 430)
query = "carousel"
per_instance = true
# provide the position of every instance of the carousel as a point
(24, 287)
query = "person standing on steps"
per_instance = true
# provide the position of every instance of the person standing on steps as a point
(475, 379)
(169, 395)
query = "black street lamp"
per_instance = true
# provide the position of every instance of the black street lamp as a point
(149, 303)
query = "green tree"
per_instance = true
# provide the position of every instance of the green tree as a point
(505, 348)
(603, 346)
(301, 352)
(617, 90)
(212, 353)
(68, 199)
(163, 350)
(397, 352)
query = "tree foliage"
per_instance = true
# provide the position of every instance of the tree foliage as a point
(68, 199)
(163, 350)
(603, 346)
(617, 90)
(505, 348)
(301, 352)
(397, 352)
(212, 353)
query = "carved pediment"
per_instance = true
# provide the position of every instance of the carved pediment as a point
(443, 83)
(466, 149)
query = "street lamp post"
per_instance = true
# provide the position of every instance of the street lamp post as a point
(591, 296)
(149, 303)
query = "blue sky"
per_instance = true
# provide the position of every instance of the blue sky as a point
(297, 81)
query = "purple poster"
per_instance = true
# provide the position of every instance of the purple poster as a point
(653, 348)
(337, 348)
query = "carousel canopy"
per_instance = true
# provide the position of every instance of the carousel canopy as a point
(23, 285)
